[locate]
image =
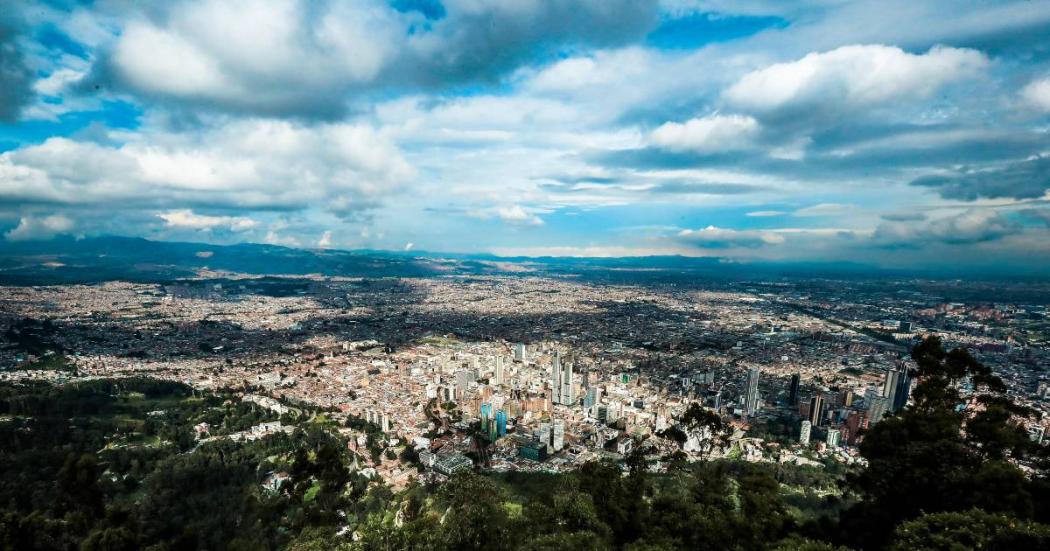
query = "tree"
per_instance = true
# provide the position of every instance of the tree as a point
(706, 428)
(475, 518)
(938, 456)
(973, 529)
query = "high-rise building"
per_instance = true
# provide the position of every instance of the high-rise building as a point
(751, 391)
(803, 435)
(796, 380)
(499, 370)
(816, 410)
(519, 353)
(486, 416)
(463, 379)
(501, 422)
(889, 385)
(877, 406)
(590, 398)
(846, 398)
(544, 434)
(562, 390)
(834, 435)
(903, 390)
(558, 435)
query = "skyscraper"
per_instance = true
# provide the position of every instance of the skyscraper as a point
(834, 435)
(499, 370)
(903, 390)
(889, 387)
(591, 397)
(561, 382)
(519, 353)
(486, 416)
(558, 435)
(803, 435)
(751, 391)
(796, 379)
(877, 405)
(816, 410)
(501, 422)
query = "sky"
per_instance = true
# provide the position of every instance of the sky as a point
(894, 133)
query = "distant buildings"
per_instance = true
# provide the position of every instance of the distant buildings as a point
(796, 379)
(804, 433)
(519, 353)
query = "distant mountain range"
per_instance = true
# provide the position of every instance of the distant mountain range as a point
(70, 260)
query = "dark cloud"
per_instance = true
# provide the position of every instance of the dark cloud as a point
(682, 187)
(15, 78)
(1022, 180)
(904, 217)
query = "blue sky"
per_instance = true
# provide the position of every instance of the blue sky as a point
(897, 133)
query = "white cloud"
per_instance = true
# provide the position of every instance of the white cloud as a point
(825, 209)
(969, 227)
(710, 134)
(851, 77)
(274, 237)
(516, 214)
(325, 241)
(187, 219)
(717, 238)
(32, 227)
(236, 53)
(260, 164)
(766, 213)
(1037, 94)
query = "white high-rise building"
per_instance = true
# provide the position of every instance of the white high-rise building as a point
(519, 353)
(803, 435)
(562, 390)
(833, 438)
(499, 370)
(877, 405)
(558, 435)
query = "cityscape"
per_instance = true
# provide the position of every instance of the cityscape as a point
(631, 275)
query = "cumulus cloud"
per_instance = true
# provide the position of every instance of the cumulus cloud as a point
(970, 227)
(296, 57)
(850, 78)
(256, 164)
(32, 227)
(187, 219)
(1027, 179)
(325, 241)
(713, 133)
(1037, 94)
(713, 237)
(516, 214)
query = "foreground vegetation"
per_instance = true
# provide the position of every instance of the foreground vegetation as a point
(116, 465)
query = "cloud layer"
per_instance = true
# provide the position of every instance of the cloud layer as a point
(890, 132)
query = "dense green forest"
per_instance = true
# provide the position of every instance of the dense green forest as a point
(116, 464)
